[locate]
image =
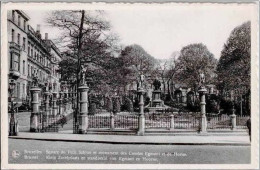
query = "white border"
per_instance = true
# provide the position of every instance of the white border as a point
(47, 6)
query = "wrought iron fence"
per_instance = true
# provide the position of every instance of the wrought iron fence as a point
(186, 122)
(219, 122)
(126, 122)
(52, 123)
(99, 121)
(241, 121)
(157, 121)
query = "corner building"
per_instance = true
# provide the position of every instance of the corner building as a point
(29, 54)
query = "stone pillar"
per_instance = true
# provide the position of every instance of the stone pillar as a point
(112, 121)
(141, 127)
(47, 102)
(55, 107)
(233, 120)
(172, 122)
(35, 109)
(83, 108)
(47, 106)
(183, 97)
(203, 121)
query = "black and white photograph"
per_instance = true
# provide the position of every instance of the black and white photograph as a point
(127, 86)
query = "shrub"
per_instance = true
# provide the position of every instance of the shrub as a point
(92, 109)
(109, 105)
(116, 105)
(129, 105)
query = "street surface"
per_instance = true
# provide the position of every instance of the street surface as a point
(33, 151)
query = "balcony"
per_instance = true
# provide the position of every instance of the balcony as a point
(48, 69)
(14, 74)
(15, 47)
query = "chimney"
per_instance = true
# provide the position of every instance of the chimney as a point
(38, 28)
(46, 36)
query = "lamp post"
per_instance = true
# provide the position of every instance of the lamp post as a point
(13, 130)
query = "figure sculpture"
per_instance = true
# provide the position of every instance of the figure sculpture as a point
(83, 74)
(157, 84)
(35, 80)
(202, 78)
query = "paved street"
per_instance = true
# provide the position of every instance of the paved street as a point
(33, 151)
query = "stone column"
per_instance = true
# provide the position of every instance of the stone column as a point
(83, 108)
(172, 122)
(112, 121)
(35, 109)
(233, 120)
(55, 107)
(47, 106)
(141, 127)
(203, 121)
(183, 96)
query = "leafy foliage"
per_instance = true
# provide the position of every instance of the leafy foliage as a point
(116, 105)
(195, 58)
(234, 65)
(92, 109)
(109, 104)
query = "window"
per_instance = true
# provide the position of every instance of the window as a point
(28, 70)
(31, 52)
(24, 91)
(15, 62)
(31, 71)
(12, 35)
(24, 24)
(18, 39)
(13, 15)
(24, 43)
(11, 60)
(19, 20)
(23, 67)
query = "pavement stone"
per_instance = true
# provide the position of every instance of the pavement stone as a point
(195, 139)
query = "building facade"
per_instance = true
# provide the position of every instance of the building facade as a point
(29, 55)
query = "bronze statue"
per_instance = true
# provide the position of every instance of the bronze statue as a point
(83, 74)
(35, 80)
(157, 84)
(202, 78)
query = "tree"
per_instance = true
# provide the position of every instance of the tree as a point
(234, 66)
(195, 58)
(86, 41)
(166, 70)
(116, 105)
(92, 109)
(109, 104)
(133, 61)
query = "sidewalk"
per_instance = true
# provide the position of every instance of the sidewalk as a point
(190, 138)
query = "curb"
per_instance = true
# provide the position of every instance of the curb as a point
(132, 143)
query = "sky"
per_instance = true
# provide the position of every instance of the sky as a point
(162, 31)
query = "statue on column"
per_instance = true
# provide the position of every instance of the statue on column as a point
(141, 81)
(202, 79)
(35, 80)
(83, 74)
(157, 84)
